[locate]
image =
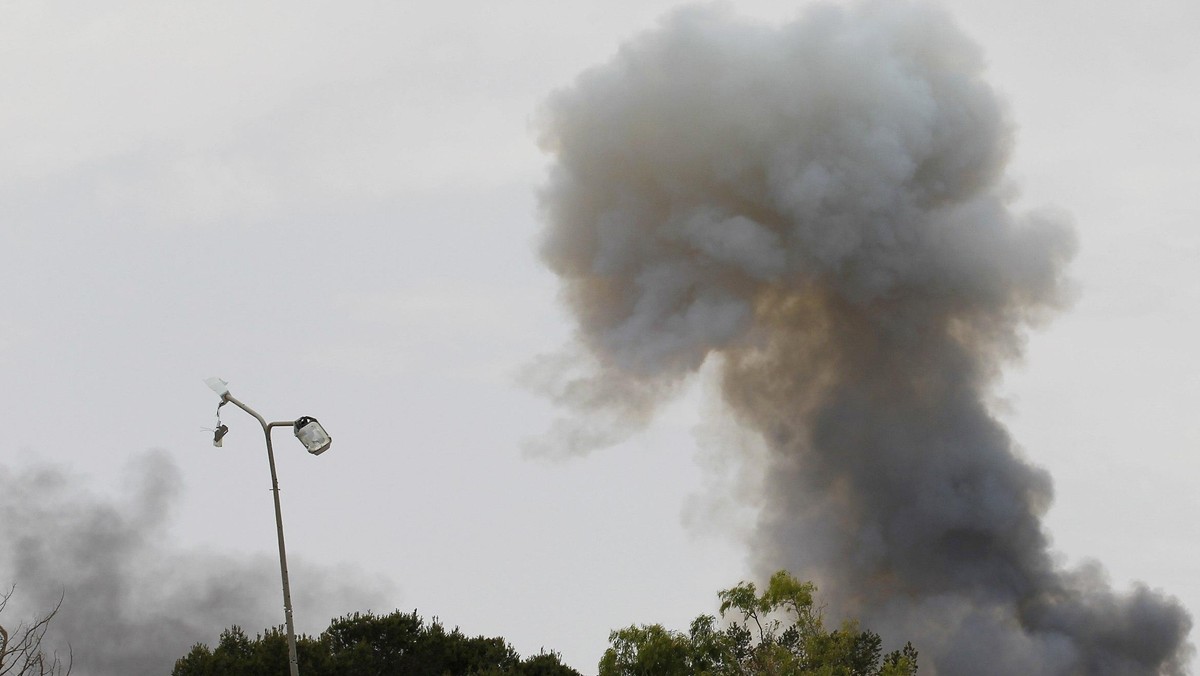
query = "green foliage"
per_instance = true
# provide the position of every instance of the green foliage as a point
(237, 655)
(369, 645)
(779, 633)
(647, 651)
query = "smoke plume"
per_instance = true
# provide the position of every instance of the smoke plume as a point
(130, 603)
(821, 208)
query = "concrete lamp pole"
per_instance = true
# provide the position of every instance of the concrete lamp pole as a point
(317, 441)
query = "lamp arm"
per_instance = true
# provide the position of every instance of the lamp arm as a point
(231, 399)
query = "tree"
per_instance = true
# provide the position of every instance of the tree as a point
(369, 644)
(21, 651)
(779, 633)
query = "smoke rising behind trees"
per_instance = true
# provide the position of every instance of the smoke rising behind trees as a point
(822, 208)
(132, 602)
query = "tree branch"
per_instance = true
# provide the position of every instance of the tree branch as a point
(21, 652)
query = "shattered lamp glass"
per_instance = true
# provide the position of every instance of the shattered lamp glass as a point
(312, 435)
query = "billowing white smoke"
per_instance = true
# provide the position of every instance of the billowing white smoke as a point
(132, 603)
(821, 206)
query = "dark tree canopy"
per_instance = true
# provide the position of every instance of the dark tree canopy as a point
(778, 632)
(369, 645)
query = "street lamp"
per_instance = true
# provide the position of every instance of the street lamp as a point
(317, 441)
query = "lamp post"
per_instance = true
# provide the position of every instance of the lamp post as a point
(317, 441)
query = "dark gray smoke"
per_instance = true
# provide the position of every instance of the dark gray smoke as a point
(821, 207)
(132, 604)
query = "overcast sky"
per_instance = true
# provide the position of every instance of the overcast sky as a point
(332, 206)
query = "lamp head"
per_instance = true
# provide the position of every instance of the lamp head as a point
(312, 435)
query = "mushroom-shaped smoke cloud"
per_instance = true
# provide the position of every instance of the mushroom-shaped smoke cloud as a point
(821, 207)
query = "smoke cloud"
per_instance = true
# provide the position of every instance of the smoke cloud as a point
(821, 209)
(131, 604)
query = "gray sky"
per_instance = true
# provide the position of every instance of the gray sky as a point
(333, 209)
